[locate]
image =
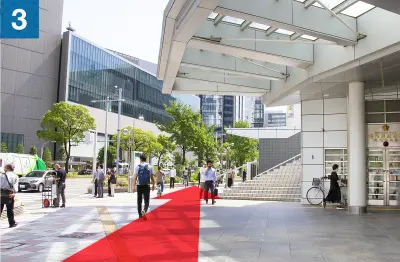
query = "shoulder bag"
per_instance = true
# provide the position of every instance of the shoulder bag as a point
(5, 193)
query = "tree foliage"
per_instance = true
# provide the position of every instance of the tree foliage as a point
(243, 149)
(20, 149)
(167, 147)
(66, 124)
(33, 150)
(47, 157)
(111, 155)
(4, 148)
(188, 131)
(140, 140)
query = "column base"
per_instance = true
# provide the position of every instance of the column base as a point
(357, 210)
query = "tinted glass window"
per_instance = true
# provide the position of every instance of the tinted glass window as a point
(35, 174)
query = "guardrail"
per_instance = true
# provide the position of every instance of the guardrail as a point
(279, 165)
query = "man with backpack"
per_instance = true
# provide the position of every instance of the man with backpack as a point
(141, 184)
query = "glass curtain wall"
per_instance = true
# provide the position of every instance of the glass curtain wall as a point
(93, 74)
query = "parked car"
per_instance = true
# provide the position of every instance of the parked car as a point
(36, 180)
(85, 172)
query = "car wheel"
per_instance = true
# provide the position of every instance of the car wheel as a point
(40, 188)
(19, 190)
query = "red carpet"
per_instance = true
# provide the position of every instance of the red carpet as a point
(171, 233)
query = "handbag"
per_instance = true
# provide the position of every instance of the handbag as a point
(5, 193)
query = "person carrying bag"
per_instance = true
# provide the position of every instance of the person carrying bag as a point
(8, 183)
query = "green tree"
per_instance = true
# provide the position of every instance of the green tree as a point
(142, 141)
(66, 124)
(185, 128)
(243, 149)
(4, 148)
(33, 150)
(167, 147)
(61, 153)
(111, 155)
(47, 158)
(20, 149)
(205, 145)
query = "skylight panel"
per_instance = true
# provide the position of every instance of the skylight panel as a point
(284, 32)
(212, 15)
(259, 26)
(308, 37)
(233, 20)
(357, 9)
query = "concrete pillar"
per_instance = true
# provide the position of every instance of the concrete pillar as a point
(356, 149)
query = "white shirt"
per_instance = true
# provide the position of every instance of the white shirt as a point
(173, 172)
(12, 178)
(203, 174)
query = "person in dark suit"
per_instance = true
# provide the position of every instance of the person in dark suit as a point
(334, 195)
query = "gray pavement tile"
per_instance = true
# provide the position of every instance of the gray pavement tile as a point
(250, 253)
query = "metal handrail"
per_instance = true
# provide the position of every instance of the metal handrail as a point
(290, 159)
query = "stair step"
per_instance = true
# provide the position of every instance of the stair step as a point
(262, 198)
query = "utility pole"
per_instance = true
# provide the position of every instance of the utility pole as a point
(119, 125)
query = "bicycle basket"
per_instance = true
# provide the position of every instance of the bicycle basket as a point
(316, 181)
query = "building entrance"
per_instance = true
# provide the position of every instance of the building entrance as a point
(384, 177)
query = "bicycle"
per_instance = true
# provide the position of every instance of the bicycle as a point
(316, 194)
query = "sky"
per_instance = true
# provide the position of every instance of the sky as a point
(132, 27)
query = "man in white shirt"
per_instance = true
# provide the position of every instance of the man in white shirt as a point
(172, 177)
(202, 178)
(95, 180)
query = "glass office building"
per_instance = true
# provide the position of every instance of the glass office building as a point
(93, 73)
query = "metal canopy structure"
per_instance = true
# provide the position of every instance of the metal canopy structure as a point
(270, 48)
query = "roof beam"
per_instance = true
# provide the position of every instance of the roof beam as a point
(291, 15)
(309, 3)
(283, 53)
(244, 25)
(184, 85)
(218, 19)
(295, 36)
(221, 63)
(343, 6)
(270, 31)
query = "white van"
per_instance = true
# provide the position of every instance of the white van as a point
(24, 163)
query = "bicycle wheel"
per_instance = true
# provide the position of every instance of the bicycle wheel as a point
(315, 196)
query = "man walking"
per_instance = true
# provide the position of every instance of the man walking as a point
(185, 177)
(172, 177)
(244, 175)
(9, 185)
(100, 181)
(61, 176)
(202, 178)
(95, 180)
(141, 184)
(210, 178)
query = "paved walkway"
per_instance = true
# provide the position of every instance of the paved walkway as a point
(229, 231)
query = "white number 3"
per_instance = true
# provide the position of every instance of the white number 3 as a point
(22, 19)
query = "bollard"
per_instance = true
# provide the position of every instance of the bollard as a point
(130, 183)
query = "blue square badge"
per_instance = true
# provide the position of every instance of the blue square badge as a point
(19, 19)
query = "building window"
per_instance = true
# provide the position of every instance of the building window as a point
(382, 111)
(12, 141)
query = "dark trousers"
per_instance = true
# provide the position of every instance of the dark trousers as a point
(100, 184)
(244, 178)
(143, 192)
(109, 187)
(10, 211)
(61, 191)
(95, 187)
(230, 182)
(172, 182)
(208, 186)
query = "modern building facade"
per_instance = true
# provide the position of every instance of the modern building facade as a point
(258, 114)
(29, 79)
(218, 111)
(244, 109)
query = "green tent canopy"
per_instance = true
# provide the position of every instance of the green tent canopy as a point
(40, 164)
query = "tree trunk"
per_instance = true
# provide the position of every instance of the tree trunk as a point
(183, 155)
(68, 156)
(159, 159)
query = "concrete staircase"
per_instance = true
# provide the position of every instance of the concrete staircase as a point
(281, 183)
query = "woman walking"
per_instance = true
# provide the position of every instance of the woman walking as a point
(334, 195)
(111, 183)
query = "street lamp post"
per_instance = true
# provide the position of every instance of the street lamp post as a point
(108, 101)
(42, 147)
(119, 125)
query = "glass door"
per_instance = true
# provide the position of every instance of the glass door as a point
(376, 177)
(384, 177)
(393, 177)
